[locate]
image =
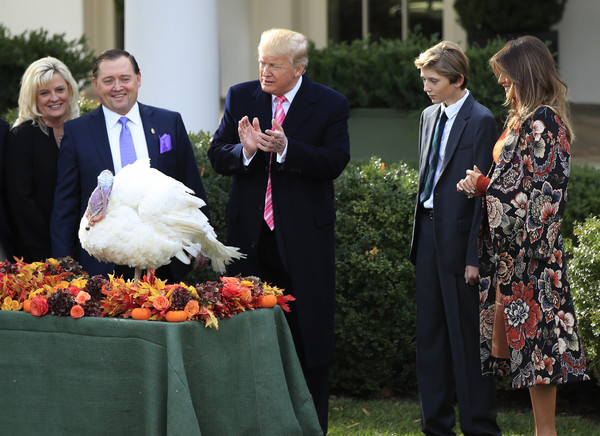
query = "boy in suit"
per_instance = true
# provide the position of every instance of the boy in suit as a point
(455, 133)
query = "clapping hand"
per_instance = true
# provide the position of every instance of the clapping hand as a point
(273, 140)
(249, 135)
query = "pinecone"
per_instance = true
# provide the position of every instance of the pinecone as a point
(94, 287)
(180, 298)
(60, 303)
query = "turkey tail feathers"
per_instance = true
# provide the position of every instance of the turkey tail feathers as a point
(206, 243)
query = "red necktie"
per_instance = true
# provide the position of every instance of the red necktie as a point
(279, 117)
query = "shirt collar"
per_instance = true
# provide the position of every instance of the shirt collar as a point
(291, 93)
(112, 118)
(452, 110)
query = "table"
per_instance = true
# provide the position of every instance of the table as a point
(110, 376)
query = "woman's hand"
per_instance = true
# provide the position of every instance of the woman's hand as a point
(468, 185)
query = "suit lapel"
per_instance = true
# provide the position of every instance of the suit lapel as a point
(264, 104)
(100, 138)
(151, 131)
(301, 107)
(428, 131)
(459, 124)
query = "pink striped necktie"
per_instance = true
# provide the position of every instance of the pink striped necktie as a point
(279, 117)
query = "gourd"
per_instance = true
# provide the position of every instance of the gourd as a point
(176, 315)
(141, 313)
(268, 300)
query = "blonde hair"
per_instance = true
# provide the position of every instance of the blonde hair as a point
(527, 62)
(447, 59)
(283, 42)
(39, 74)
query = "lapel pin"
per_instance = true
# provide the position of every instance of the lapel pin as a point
(153, 131)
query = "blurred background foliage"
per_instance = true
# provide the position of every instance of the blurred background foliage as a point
(17, 52)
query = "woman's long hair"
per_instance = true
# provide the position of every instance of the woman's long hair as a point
(38, 74)
(527, 62)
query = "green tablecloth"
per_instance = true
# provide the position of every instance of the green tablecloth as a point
(105, 376)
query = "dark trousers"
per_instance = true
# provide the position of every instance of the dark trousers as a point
(448, 361)
(274, 272)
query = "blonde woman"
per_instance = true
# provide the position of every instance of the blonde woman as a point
(48, 97)
(528, 324)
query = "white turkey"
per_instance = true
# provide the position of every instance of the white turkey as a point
(143, 218)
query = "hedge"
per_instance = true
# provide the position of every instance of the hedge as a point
(489, 18)
(584, 270)
(382, 73)
(375, 314)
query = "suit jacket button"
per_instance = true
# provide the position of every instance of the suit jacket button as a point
(252, 244)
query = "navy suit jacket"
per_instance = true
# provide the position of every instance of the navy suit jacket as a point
(85, 152)
(456, 217)
(316, 126)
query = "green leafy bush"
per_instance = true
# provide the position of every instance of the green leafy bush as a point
(584, 270)
(19, 51)
(382, 73)
(372, 73)
(375, 313)
(482, 82)
(492, 17)
(583, 197)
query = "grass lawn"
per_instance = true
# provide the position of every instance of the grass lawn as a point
(349, 417)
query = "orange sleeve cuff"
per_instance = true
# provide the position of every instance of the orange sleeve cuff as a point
(482, 184)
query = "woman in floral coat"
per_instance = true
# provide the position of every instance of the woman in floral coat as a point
(527, 319)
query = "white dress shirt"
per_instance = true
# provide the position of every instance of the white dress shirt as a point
(286, 106)
(451, 112)
(113, 128)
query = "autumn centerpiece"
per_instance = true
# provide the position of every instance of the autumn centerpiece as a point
(59, 287)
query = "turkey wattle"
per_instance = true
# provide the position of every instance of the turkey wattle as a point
(143, 218)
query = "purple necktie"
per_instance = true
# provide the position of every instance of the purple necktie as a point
(126, 144)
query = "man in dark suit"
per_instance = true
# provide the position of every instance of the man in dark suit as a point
(295, 161)
(91, 144)
(455, 133)
(6, 250)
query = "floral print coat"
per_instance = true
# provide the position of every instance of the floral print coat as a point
(521, 248)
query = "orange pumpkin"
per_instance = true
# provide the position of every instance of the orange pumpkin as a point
(27, 306)
(268, 300)
(141, 313)
(176, 315)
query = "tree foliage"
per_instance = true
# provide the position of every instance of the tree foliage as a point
(17, 52)
(383, 74)
(490, 18)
